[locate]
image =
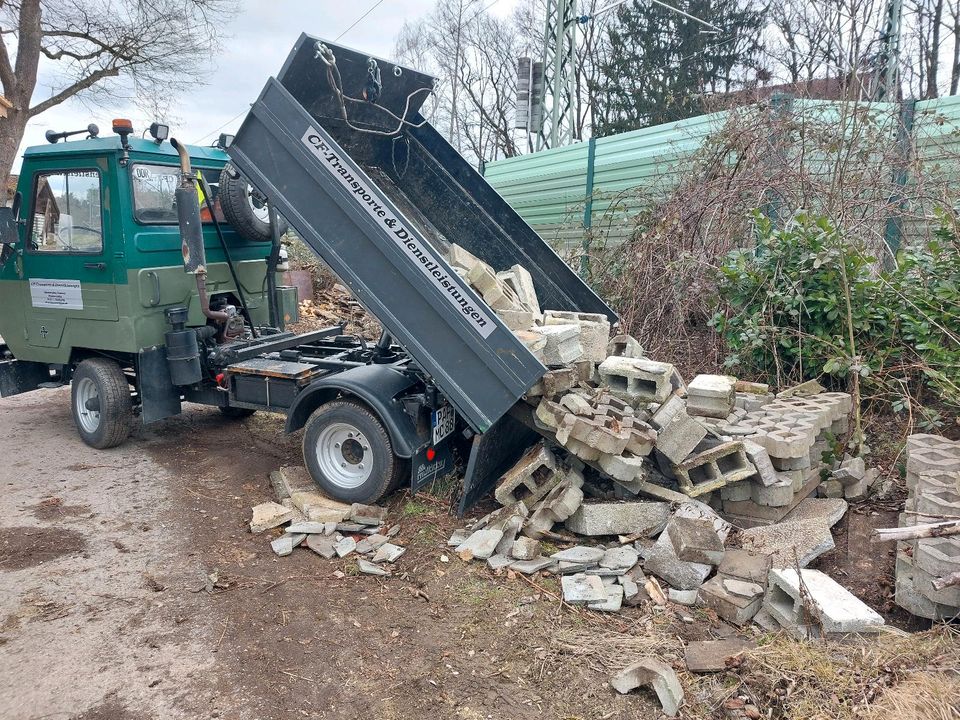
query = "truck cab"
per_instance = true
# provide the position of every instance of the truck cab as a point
(97, 258)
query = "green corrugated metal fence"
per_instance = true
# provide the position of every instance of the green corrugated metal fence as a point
(564, 192)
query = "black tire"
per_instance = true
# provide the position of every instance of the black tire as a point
(238, 200)
(235, 413)
(374, 446)
(101, 382)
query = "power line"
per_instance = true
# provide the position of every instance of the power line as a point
(355, 22)
(677, 10)
(352, 26)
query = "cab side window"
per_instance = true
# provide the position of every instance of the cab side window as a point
(67, 212)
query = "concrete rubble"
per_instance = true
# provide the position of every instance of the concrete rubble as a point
(333, 530)
(641, 477)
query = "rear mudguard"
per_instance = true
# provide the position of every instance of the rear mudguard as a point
(376, 385)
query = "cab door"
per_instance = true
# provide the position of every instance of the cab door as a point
(66, 256)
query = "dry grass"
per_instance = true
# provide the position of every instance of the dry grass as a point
(790, 679)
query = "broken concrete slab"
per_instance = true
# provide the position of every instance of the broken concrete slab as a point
(605, 518)
(619, 558)
(683, 597)
(308, 527)
(371, 543)
(792, 597)
(760, 459)
(290, 479)
(317, 507)
(369, 568)
(529, 567)
(481, 544)
(581, 589)
(498, 562)
(388, 552)
(285, 544)
(743, 588)
(790, 543)
(708, 656)
(830, 510)
(695, 540)
(525, 548)
(612, 603)
(562, 345)
(322, 545)
(345, 546)
(580, 554)
(651, 672)
(269, 515)
(367, 514)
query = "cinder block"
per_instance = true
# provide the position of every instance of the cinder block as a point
(679, 437)
(519, 280)
(516, 319)
(778, 494)
(791, 596)
(562, 344)
(559, 504)
(530, 479)
(711, 395)
(624, 346)
(734, 608)
(760, 459)
(594, 331)
(637, 379)
(737, 492)
(695, 540)
(648, 518)
(718, 467)
(745, 565)
(494, 291)
(535, 342)
(624, 468)
(458, 257)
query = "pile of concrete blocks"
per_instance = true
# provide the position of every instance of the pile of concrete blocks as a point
(933, 495)
(331, 529)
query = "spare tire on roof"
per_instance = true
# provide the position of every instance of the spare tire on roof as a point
(244, 207)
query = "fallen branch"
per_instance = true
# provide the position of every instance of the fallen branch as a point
(941, 529)
(947, 581)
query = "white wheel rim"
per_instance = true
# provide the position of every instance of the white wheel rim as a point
(343, 455)
(260, 209)
(84, 391)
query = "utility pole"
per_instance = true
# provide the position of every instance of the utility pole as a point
(886, 73)
(559, 98)
(559, 75)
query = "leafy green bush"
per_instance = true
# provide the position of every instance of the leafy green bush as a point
(807, 302)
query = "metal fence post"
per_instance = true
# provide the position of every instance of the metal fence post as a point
(893, 233)
(588, 208)
(781, 106)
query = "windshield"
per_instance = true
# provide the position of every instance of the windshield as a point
(153, 193)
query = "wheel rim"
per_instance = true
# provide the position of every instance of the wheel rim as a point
(86, 390)
(343, 455)
(258, 205)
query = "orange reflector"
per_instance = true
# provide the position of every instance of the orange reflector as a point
(431, 454)
(122, 124)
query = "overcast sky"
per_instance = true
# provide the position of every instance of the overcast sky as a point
(260, 38)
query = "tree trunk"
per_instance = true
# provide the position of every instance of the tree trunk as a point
(11, 133)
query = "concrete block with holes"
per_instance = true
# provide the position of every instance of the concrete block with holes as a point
(530, 479)
(562, 345)
(594, 331)
(518, 279)
(624, 346)
(812, 604)
(637, 380)
(494, 291)
(713, 469)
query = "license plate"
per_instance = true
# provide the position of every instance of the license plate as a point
(444, 420)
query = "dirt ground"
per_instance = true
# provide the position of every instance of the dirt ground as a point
(130, 587)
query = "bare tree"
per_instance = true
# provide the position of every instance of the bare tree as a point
(100, 49)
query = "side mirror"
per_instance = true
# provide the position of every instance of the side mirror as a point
(15, 207)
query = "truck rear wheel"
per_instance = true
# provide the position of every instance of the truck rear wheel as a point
(102, 407)
(349, 454)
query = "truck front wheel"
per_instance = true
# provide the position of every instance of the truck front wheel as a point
(102, 407)
(348, 452)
